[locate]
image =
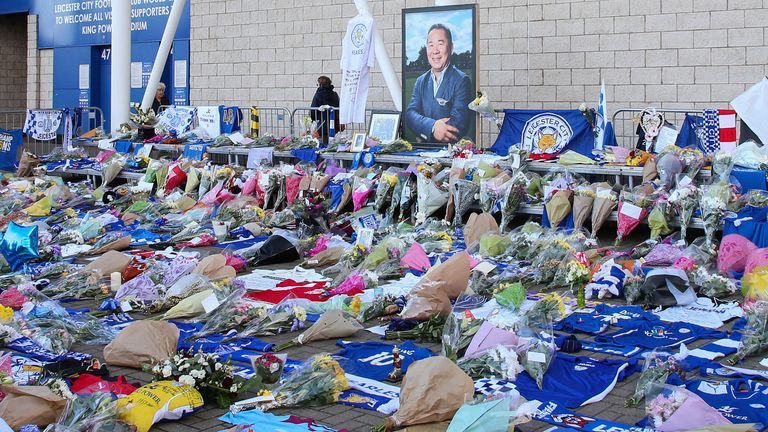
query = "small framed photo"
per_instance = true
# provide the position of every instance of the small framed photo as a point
(358, 143)
(384, 126)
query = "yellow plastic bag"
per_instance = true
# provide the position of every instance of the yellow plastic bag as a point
(754, 285)
(40, 208)
(161, 400)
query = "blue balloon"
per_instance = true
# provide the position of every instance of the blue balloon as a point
(19, 245)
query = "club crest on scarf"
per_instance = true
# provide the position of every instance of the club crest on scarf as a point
(546, 133)
(358, 35)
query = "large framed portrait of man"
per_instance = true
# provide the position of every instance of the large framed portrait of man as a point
(440, 70)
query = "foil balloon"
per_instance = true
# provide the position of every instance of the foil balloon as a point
(19, 245)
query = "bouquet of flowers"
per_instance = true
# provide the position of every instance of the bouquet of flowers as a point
(549, 309)
(683, 201)
(382, 306)
(463, 149)
(431, 193)
(284, 317)
(142, 118)
(491, 192)
(215, 380)
(713, 203)
(537, 359)
(663, 405)
(656, 370)
(498, 362)
(318, 381)
(396, 146)
(657, 219)
(268, 367)
(722, 165)
(583, 200)
(465, 193)
(692, 160)
(510, 294)
(578, 274)
(86, 413)
(333, 324)
(430, 331)
(602, 207)
(632, 292)
(458, 333)
(384, 191)
(713, 284)
(78, 284)
(633, 208)
(515, 195)
(755, 339)
(233, 312)
(482, 106)
(408, 198)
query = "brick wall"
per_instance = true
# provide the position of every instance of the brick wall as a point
(39, 70)
(13, 51)
(533, 53)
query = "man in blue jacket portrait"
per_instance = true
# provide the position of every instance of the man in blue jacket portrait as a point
(438, 109)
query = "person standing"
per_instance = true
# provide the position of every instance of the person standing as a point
(325, 95)
(160, 98)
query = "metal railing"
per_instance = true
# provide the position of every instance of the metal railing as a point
(84, 119)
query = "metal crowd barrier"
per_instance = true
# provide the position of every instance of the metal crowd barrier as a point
(92, 117)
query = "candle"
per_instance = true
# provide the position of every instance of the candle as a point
(116, 279)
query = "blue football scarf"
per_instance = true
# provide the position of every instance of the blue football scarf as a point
(35, 351)
(545, 133)
(367, 394)
(659, 335)
(25, 369)
(556, 414)
(10, 142)
(212, 343)
(374, 360)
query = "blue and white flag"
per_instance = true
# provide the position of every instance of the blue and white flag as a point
(601, 122)
(43, 124)
(10, 142)
(545, 134)
(177, 119)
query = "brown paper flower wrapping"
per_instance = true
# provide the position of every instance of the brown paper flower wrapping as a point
(601, 210)
(477, 226)
(432, 390)
(36, 405)
(558, 207)
(142, 342)
(582, 210)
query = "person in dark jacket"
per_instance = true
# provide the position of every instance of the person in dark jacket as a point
(325, 96)
(160, 98)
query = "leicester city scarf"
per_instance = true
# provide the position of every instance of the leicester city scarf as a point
(10, 142)
(177, 119)
(545, 134)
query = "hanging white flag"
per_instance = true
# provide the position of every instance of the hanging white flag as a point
(752, 107)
